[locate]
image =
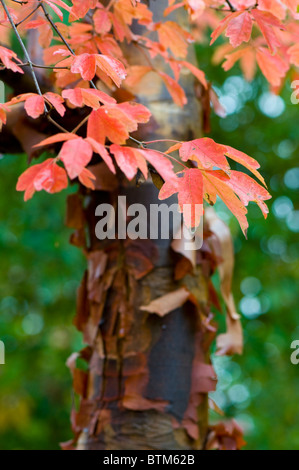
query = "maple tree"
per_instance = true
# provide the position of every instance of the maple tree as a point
(88, 109)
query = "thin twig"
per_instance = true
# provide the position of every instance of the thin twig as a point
(50, 67)
(80, 124)
(56, 124)
(28, 16)
(230, 5)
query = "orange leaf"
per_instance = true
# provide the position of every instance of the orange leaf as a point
(56, 101)
(47, 175)
(111, 67)
(87, 96)
(273, 67)
(101, 150)
(214, 186)
(223, 25)
(35, 106)
(54, 139)
(7, 57)
(239, 29)
(189, 186)
(75, 154)
(206, 152)
(176, 38)
(175, 90)
(265, 20)
(129, 160)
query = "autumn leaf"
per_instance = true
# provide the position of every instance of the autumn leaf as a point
(9, 59)
(47, 175)
(167, 303)
(175, 90)
(54, 4)
(86, 64)
(248, 162)
(102, 21)
(214, 186)
(129, 160)
(239, 29)
(172, 36)
(273, 67)
(88, 97)
(87, 178)
(206, 152)
(75, 154)
(115, 122)
(56, 101)
(54, 139)
(265, 21)
(247, 189)
(223, 25)
(35, 106)
(189, 186)
(101, 150)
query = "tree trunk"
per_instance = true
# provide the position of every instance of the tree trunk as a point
(147, 376)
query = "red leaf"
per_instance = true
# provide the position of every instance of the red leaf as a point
(175, 90)
(102, 21)
(206, 152)
(273, 67)
(47, 175)
(104, 124)
(7, 58)
(199, 74)
(75, 154)
(247, 189)
(239, 29)
(223, 25)
(87, 96)
(214, 186)
(129, 160)
(35, 106)
(246, 161)
(56, 101)
(265, 20)
(173, 36)
(54, 139)
(101, 150)
(112, 67)
(86, 178)
(52, 179)
(85, 65)
(116, 121)
(190, 195)
(161, 164)
(63, 5)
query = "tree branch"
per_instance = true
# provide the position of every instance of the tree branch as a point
(230, 5)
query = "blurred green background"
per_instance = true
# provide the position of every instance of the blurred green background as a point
(40, 272)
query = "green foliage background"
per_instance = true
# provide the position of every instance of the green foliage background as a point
(40, 272)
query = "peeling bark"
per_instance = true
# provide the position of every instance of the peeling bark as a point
(148, 377)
